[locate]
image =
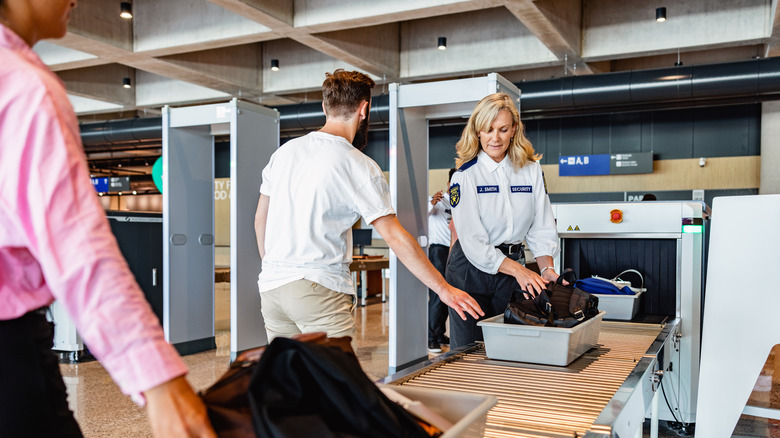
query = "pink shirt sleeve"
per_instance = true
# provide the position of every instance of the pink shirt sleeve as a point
(46, 188)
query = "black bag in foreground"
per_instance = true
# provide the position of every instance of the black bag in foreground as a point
(227, 401)
(307, 390)
(556, 306)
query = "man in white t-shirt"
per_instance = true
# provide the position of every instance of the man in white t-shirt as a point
(314, 189)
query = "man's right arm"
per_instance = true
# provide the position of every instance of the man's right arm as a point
(413, 257)
(261, 217)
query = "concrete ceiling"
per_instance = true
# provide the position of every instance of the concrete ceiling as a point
(181, 52)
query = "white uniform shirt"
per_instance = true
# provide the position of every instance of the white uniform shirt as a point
(319, 185)
(494, 203)
(439, 217)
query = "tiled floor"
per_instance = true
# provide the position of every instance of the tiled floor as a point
(104, 412)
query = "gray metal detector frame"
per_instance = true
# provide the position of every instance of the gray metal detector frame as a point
(188, 221)
(411, 108)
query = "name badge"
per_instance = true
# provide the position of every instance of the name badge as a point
(487, 189)
(522, 189)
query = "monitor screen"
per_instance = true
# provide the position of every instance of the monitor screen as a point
(361, 236)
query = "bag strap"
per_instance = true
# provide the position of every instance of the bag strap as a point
(641, 278)
(569, 275)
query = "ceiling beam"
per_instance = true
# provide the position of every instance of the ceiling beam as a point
(270, 13)
(378, 55)
(558, 24)
(102, 82)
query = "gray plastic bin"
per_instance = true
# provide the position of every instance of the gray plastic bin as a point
(541, 345)
(619, 307)
(466, 411)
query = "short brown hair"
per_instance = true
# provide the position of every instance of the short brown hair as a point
(343, 91)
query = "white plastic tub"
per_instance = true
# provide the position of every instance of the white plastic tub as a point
(541, 345)
(619, 307)
(467, 412)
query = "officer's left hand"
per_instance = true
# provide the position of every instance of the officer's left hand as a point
(530, 282)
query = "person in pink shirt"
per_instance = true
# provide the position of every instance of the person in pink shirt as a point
(55, 243)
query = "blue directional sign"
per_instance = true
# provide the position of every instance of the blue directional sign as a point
(111, 184)
(605, 164)
(580, 165)
(100, 184)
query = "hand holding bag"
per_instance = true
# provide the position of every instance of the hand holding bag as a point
(555, 306)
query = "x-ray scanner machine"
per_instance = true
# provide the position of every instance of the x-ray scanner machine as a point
(412, 107)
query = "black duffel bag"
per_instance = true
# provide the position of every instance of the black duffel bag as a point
(310, 386)
(555, 306)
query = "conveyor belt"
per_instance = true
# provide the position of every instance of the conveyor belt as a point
(539, 400)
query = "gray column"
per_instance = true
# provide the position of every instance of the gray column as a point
(770, 148)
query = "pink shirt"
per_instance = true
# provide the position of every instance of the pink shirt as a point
(55, 241)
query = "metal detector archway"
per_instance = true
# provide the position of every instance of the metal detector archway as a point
(411, 108)
(188, 221)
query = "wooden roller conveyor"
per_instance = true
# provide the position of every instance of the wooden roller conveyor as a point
(581, 399)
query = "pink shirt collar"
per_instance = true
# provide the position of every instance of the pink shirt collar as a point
(10, 40)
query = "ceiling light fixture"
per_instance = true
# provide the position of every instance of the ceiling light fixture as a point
(660, 14)
(126, 83)
(126, 10)
(442, 43)
(274, 65)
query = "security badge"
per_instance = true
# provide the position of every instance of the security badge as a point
(487, 189)
(455, 194)
(512, 189)
(455, 191)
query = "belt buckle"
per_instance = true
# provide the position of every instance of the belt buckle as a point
(513, 248)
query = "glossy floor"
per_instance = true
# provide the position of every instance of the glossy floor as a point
(104, 412)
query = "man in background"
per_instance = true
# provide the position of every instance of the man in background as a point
(439, 236)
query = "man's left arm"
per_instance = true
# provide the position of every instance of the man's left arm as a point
(261, 217)
(412, 256)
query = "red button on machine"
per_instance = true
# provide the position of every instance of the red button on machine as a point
(616, 216)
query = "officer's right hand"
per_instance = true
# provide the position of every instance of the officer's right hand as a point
(461, 302)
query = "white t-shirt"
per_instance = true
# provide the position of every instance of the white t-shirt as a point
(494, 203)
(319, 185)
(439, 217)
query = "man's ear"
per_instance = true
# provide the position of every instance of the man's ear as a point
(323, 109)
(364, 108)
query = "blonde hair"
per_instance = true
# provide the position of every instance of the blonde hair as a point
(520, 150)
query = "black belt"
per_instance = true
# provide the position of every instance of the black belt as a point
(510, 249)
(39, 311)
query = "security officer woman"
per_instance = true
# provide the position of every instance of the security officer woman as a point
(498, 199)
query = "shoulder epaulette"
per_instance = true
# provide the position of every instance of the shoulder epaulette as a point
(467, 164)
